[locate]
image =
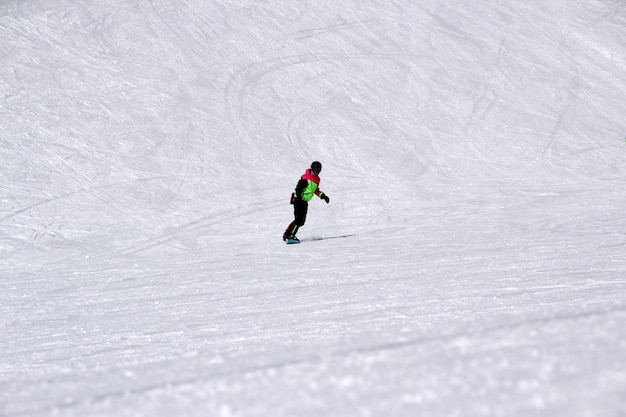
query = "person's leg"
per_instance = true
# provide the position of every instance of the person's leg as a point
(300, 209)
(292, 229)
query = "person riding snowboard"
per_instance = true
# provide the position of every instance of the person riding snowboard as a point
(305, 189)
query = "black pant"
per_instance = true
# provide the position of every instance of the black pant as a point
(300, 209)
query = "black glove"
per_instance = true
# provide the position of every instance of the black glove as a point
(325, 198)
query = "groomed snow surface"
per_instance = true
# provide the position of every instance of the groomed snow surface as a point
(471, 262)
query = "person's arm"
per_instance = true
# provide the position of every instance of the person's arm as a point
(300, 187)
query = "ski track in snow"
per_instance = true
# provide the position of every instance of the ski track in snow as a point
(470, 262)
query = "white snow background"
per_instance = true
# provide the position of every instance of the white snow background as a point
(471, 261)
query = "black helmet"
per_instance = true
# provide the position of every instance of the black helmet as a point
(316, 167)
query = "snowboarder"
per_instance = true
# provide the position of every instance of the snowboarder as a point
(305, 189)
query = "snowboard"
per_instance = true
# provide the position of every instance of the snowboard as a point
(292, 241)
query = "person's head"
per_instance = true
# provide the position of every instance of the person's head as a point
(316, 167)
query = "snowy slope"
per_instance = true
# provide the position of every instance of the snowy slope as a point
(470, 262)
